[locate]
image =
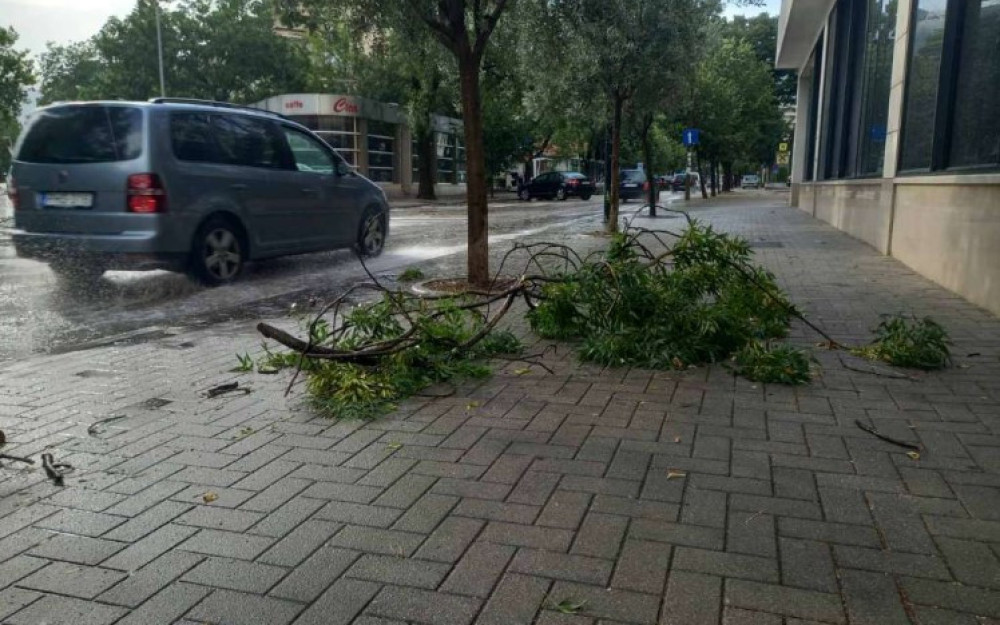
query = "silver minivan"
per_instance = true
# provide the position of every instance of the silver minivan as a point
(184, 185)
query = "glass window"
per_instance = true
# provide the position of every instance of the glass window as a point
(814, 106)
(337, 124)
(246, 141)
(191, 137)
(975, 136)
(876, 76)
(309, 155)
(926, 41)
(83, 134)
(309, 121)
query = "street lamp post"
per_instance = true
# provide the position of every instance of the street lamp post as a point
(159, 48)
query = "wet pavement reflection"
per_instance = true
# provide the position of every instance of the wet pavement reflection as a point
(40, 314)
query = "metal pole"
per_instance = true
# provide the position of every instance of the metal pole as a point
(159, 48)
(687, 179)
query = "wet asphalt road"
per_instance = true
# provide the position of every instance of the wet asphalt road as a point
(37, 315)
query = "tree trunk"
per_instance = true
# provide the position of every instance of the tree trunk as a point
(647, 153)
(426, 164)
(701, 176)
(616, 140)
(715, 184)
(475, 176)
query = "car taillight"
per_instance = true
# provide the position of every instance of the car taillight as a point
(12, 193)
(146, 194)
(573, 182)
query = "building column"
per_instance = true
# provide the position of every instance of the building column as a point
(900, 54)
(404, 152)
(362, 137)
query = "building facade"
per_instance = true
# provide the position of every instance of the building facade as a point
(374, 137)
(897, 136)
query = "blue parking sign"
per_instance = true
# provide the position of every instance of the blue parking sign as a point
(690, 136)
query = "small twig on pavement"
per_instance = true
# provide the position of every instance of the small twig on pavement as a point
(895, 441)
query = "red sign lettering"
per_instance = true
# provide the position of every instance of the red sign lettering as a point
(342, 105)
(294, 104)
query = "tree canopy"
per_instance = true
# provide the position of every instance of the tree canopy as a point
(16, 75)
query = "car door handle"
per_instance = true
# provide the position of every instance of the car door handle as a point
(308, 191)
(238, 187)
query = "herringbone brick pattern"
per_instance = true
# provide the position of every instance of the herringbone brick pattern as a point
(652, 498)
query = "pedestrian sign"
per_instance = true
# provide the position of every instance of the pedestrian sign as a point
(690, 136)
(782, 147)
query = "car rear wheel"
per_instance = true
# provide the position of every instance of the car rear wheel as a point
(218, 254)
(524, 195)
(585, 197)
(371, 234)
(561, 194)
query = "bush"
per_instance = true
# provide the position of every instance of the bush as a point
(918, 344)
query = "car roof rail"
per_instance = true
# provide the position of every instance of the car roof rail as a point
(222, 105)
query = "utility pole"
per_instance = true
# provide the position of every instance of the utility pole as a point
(159, 48)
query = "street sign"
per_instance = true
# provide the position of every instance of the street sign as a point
(782, 158)
(690, 136)
(782, 147)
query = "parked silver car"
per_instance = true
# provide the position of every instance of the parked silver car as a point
(183, 185)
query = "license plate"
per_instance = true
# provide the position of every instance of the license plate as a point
(66, 200)
(630, 185)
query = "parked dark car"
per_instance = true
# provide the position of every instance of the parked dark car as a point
(558, 185)
(633, 184)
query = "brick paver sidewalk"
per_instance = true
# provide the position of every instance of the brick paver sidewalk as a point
(648, 497)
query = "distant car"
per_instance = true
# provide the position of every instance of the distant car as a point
(750, 181)
(183, 185)
(558, 185)
(678, 181)
(633, 184)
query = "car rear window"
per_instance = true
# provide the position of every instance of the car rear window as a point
(83, 134)
(633, 175)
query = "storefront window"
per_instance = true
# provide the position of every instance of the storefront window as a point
(381, 152)
(926, 41)
(975, 138)
(460, 158)
(342, 135)
(445, 157)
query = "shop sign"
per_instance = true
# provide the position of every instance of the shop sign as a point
(343, 105)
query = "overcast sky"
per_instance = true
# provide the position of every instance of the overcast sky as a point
(66, 21)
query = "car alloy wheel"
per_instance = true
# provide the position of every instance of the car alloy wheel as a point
(221, 255)
(561, 194)
(524, 195)
(372, 238)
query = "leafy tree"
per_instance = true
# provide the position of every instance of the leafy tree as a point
(16, 74)
(71, 72)
(214, 49)
(761, 32)
(731, 99)
(623, 45)
(464, 29)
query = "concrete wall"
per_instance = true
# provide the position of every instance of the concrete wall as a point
(951, 234)
(862, 209)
